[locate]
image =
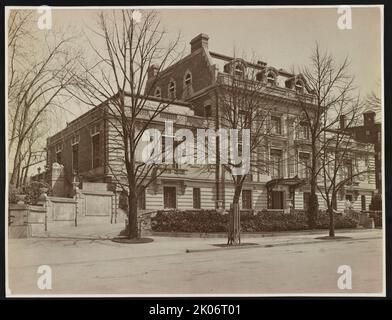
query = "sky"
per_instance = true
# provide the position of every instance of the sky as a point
(282, 37)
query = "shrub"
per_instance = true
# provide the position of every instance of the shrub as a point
(377, 216)
(205, 221)
(12, 192)
(32, 191)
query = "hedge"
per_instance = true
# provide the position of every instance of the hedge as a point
(205, 221)
(377, 216)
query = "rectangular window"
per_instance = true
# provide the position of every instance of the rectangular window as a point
(169, 197)
(196, 198)
(306, 200)
(246, 199)
(276, 124)
(75, 158)
(303, 130)
(276, 164)
(303, 165)
(167, 152)
(363, 203)
(348, 174)
(58, 149)
(96, 151)
(58, 157)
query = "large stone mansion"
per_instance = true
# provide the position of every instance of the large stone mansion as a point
(83, 147)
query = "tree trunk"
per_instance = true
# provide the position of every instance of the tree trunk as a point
(15, 169)
(312, 209)
(331, 216)
(331, 222)
(313, 200)
(132, 215)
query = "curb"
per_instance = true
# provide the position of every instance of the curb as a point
(251, 235)
(270, 245)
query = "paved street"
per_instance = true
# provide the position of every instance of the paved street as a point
(292, 264)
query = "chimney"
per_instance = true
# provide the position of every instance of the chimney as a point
(342, 121)
(369, 118)
(200, 41)
(152, 71)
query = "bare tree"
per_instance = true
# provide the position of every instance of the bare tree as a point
(331, 86)
(244, 104)
(134, 45)
(342, 159)
(35, 81)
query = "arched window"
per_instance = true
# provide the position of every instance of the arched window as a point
(188, 79)
(271, 78)
(299, 86)
(158, 92)
(172, 90)
(187, 89)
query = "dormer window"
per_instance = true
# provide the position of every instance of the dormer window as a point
(239, 71)
(260, 76)
(158, 92)
(172, 90)
(299, 86)
(271, 78)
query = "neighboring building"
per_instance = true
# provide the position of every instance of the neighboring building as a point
(85, 145)
(371, 132)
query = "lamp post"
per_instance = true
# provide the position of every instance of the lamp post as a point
(75, 184)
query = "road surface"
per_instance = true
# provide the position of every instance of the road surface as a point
(81, 266)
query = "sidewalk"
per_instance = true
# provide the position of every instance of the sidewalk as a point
(93, 249)
(96, 236)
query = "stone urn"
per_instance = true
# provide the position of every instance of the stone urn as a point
(20, 198)
(43, 195)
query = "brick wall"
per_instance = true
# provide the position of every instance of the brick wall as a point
(80, 127)
(197, 63)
